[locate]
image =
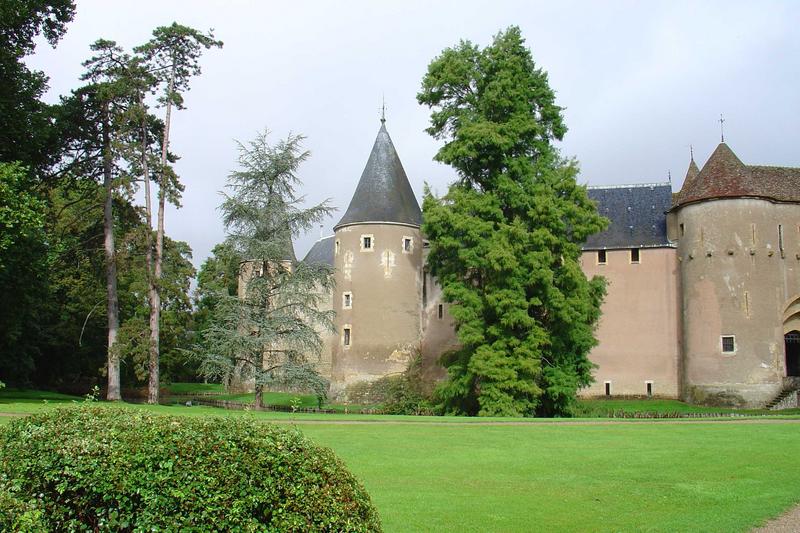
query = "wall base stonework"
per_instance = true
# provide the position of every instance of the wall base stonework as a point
(736, 395)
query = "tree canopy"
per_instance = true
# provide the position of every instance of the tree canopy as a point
(505, 240)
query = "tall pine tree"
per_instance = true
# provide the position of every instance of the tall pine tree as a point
(505, 241)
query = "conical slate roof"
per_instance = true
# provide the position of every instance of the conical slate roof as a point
(383, 193)
(321, 252)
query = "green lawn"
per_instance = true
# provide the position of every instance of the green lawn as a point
(458, 474)
(602, 407)
(283, 399)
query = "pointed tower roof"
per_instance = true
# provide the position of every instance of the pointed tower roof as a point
(691, 174)
(383, 193)
(725, 176)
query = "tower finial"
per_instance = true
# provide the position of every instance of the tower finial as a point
(691, 153)
(669, 176)
(721, 128)
(383, 109)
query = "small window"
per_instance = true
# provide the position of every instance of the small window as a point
(683, 230)
(608, 388)
(336, 248)
(346, 336)
(780, 239)
(347, 300)
(601, 257)
(649, 388)
(441, 311)
(728, 344)
(408, 244)
(367, 243)
(634, 255)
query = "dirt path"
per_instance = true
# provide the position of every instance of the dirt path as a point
(789, 522)
(605, 422)
(561, 422)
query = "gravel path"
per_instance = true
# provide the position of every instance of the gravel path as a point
(789, 522)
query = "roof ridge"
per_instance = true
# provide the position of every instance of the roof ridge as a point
(629, 186)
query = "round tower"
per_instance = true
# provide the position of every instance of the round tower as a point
(737, 232)
(378, 262)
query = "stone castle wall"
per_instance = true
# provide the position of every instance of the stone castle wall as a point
(740, 267)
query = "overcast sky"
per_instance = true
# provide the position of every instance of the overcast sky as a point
(639, 81)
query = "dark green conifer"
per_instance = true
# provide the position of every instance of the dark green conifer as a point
(505, 241)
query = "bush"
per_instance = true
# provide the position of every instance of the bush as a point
(400, 394)
(98, 467)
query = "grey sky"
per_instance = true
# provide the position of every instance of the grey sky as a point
(640, 81)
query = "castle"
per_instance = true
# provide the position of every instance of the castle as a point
(703, 298)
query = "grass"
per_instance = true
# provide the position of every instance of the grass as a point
(216, 392)
(601, 407)
(458, 474)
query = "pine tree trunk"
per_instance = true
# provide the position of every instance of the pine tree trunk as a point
(151, 287)
(155, 302)
(113, 392)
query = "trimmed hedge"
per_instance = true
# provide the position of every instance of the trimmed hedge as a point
(97, 467)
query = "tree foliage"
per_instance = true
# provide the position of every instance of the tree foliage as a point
(269, 333)
(505, 241)
(26, 134)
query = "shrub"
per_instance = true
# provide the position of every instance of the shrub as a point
(99, 467)
(407, 393)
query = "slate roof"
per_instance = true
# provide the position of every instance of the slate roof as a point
(725, 176)
(637, 216)
(321, 252)
(383, 193)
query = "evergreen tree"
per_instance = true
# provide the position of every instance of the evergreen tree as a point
(269, 333)
(505, 241)
(172, 56)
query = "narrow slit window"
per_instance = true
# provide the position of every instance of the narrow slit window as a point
(608, 388)
(634, 255)
(601, 257)
(346, 335)
(407, 244)
(424, 287)
(347, 300)
(683, 230)
(441, 311)
(780, 239)
(728, 344)
(336, 248)
(649, 388)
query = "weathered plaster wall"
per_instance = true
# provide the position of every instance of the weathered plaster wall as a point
(639, 329)
(438, 333)
(736, 281)
(385, 284)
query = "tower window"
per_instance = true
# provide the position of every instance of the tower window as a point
(728, 344)
(347, 300)
(441, 311)
(649, 388)
(346, 336)
(780, 240)
(683, 230)
(367, 243)
(608, 388)
(601, 257)
(634, 255)
(408, 244)
(336, 248)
